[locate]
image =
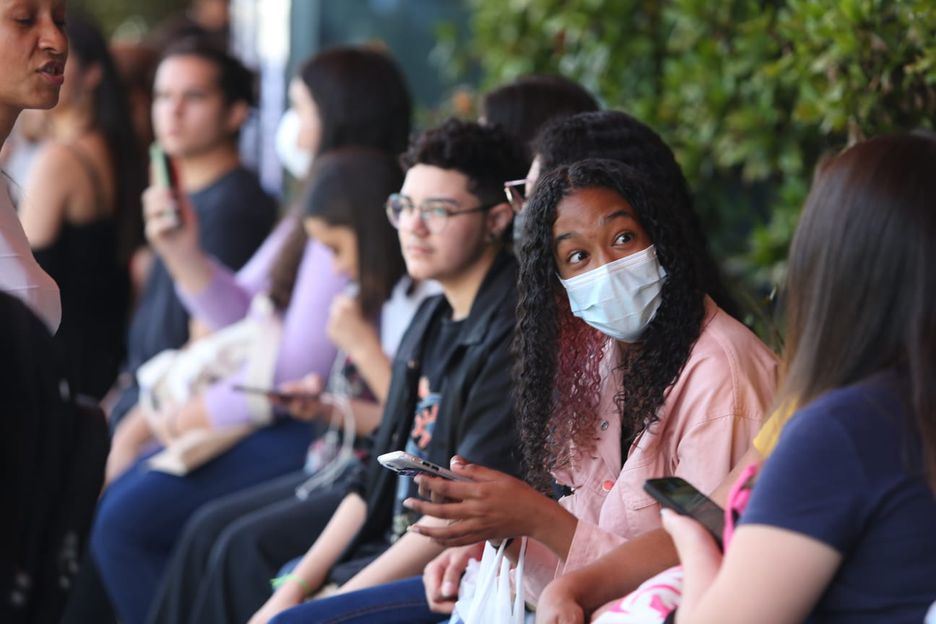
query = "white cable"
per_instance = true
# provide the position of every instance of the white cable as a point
(339, 397)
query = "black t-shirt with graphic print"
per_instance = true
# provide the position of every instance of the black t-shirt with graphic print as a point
(440, 346)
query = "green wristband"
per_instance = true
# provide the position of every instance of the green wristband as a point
(282, 580)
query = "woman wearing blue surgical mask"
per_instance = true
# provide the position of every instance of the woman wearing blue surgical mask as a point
(626, 370)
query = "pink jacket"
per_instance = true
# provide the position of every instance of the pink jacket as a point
(706, 425)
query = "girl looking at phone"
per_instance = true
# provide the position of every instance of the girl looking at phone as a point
(651, 377)
(839, 526)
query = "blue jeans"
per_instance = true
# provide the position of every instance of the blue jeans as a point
(143, 512)
(400, 602)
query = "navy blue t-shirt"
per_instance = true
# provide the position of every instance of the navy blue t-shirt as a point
(847, 471)
(235, 215)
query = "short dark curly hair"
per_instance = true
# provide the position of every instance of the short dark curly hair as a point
(618, 136)
(553, 349)
(486, 155)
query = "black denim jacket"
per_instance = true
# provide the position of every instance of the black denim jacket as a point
(476, 408)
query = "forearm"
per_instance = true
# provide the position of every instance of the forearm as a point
(191, 270)
(334, 539)
(367, 415)
(621, 570)
(372, 364)
(553, 526)
(223, 301)
(133, 429)
(407, 557)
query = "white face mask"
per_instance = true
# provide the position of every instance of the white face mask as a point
(295, 159)
(620, 298)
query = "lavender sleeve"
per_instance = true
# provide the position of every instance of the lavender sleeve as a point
(226, 298)
(304, 347)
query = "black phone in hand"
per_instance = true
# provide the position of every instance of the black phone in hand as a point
(683, 498)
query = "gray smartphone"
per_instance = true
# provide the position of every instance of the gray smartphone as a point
(409, 465)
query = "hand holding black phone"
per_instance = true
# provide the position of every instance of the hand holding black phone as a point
(278, 395)
(164, 176)
(683, 498)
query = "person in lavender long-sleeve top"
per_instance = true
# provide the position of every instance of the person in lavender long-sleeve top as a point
(304, 347)
(144, 511)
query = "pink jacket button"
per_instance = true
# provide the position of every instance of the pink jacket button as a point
(607, 485)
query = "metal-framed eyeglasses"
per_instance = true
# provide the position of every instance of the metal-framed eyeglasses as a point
(433, 213)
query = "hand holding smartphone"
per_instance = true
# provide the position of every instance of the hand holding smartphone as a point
(164, 176)
(683, 498)
(409, 465)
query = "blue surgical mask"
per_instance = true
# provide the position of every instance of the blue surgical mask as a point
(620, 298)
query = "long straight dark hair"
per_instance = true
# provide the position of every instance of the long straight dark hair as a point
(112, 118)
(348, 187)
(362, 101)
(861, 284)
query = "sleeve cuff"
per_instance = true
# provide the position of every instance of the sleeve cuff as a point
(221, 302)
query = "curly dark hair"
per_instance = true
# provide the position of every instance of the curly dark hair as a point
(111, 117)
(553, 349)
(618, 136)
(486, 155)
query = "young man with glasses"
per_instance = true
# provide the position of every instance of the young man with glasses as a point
(450, 387)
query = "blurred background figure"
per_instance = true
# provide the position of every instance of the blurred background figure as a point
(136, 63)
(81, 208)
(207, 19)
(21, 148)
(525, 105)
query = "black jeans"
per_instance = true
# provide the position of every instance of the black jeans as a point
(222, 565)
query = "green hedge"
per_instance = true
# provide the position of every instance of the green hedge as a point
(749, 94)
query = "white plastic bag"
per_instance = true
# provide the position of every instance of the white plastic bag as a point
(487, 596)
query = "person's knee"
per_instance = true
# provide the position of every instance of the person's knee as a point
(123, 520)
(109, 528)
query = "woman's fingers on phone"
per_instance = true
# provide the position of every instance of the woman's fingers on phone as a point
(311, 384)
(440, 490)
(683, 529)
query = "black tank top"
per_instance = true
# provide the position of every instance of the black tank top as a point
(83, 260)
